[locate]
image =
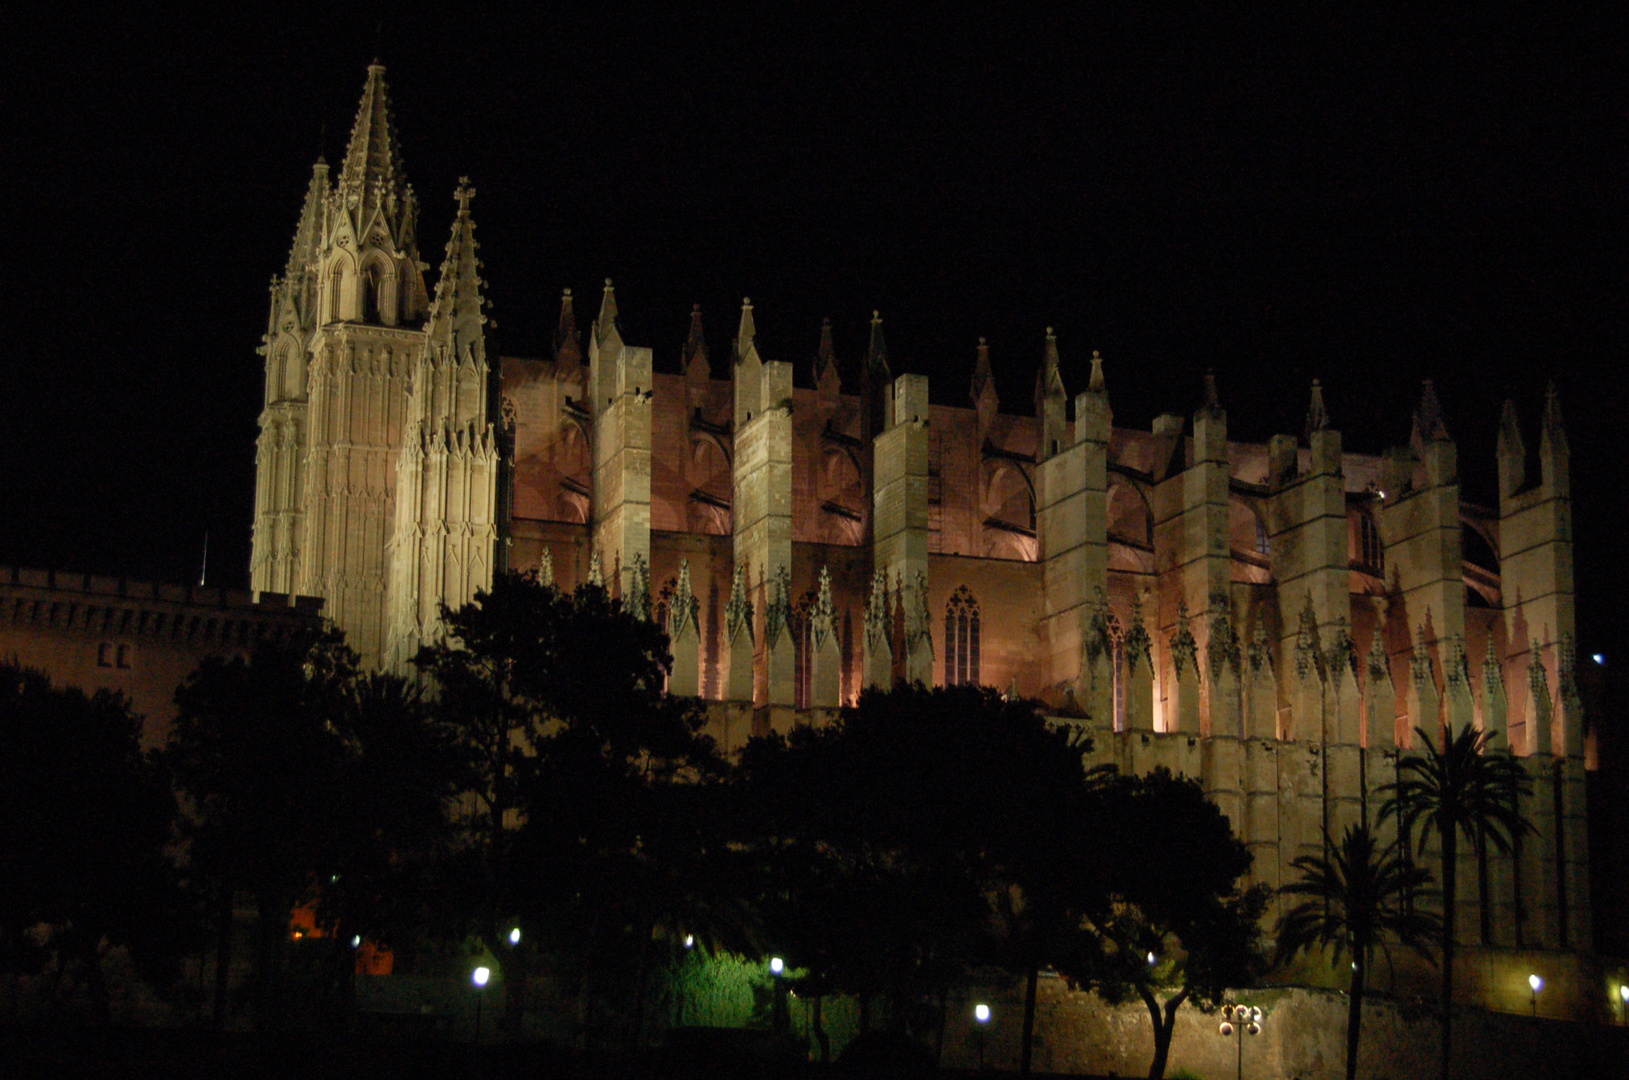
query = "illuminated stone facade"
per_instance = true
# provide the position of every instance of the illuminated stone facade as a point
(1274, 619)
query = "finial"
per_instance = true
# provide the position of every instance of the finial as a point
(1050, 336)
(1213, 403)
(566, 294)
(1097, 385)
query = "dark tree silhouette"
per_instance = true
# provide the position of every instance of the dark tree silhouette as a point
(256, 752)
(574, 763)
(1463, 790)
(1357, 898)
(1171, 868)
(89, 817)
(880, 841)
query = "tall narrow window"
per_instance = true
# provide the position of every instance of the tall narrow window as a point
(1370, 550)
(962, 639)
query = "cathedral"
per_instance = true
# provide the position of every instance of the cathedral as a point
(1274, 620)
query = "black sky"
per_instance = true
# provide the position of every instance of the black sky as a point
(1356, 198)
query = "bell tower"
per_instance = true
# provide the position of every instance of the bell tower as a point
(345, 336)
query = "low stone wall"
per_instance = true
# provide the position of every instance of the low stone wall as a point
(1303, 1038)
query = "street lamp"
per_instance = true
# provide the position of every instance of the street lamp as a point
(514, 936)
(1240, 1020)
(776, 965)
(1535, 984)
(981, 1013)
(1623, 1003)
(479, 977)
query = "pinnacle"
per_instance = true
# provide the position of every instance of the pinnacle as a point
(695, 345)
(1213, 401)
(1428, 415)
(876, 353)
(983, 377)
(606, 324)
(1317, 416)
(746, 332)
(567, 344)
(457, 312)
(826, 354)
(1097, 385)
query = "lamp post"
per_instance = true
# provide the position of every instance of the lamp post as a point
(1623, 1003)
(1535, 984)
(981, 1016)
(479, 977)
(1239, 1021)
(780, 1019)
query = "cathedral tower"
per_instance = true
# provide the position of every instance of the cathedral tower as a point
(346, 321)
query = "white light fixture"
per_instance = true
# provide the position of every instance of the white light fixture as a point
(689, 941)
(1599, 658)
(356, 941)
(1535, 982)
(981, 1013)
(514, 936)
(776, 965)
(1623, 993)
(1151, 959)
(480, 976)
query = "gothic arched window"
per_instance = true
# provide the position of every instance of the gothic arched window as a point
(962, 638)
(1371, 553)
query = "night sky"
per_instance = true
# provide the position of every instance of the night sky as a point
(1364, 201)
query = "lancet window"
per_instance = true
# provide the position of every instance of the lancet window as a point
(962, 638)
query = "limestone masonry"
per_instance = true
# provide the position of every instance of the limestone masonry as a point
(1275, 620)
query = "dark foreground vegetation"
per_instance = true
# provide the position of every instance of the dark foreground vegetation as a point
(535, 804)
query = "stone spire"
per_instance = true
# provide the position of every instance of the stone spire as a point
(693, 357)
(746, 333)
(738, 609)
(983, 377)
(1051, 400)
(1213, 400)
(1553, 434)
(605, 325)
(568, 343)
(1511, 451)
(1317, 416)
(371, 181)
(876, 354)
(1097, 385)
(681, 609)
(1049, 379)
(308, 233)
(458, 311)
(1428, 425)
(825, 362)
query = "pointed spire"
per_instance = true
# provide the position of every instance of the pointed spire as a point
(1213, 400)
(822, 616)
(879, 612)
(693, 357)
(1317, 416)
(1554, 432)
(738, 609)
(746, 332)
(606, 324)
(1097, 385)
(1049, 379)
(637, 602)
(372, 175)
(457, 312)
(681, 610)
(983, 377)
(308, 233)
(1428, 425)
(568, 343)
(876, 353)
(545, 568)
(825, 356)
(596, 575)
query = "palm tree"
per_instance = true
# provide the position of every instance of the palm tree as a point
(1462, 790)
(1356, 899)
